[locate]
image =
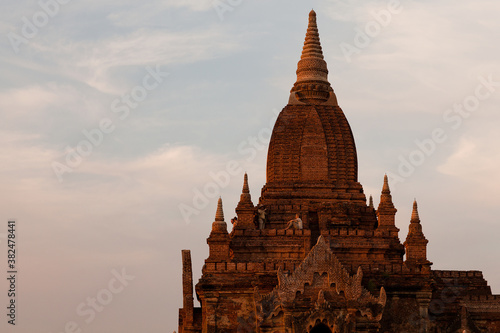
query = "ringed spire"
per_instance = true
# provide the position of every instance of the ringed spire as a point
(312, 84)
(219, 214)
(414, 214)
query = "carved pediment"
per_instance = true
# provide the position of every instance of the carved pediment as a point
(321, 261)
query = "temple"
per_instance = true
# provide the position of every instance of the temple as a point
(312, 256)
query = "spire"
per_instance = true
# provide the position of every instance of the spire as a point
(415, 228)
(371, 202)
(245, 208)
(219, 214)
(245, 198)
(312, 45)
(386, 211)
(416, 243)
(218, 241)
(219, 226)
(312, 84)
(385, 197)
(414, 214)
(246, 189)
(385, 187)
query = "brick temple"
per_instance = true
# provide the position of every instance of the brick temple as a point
(343, 268)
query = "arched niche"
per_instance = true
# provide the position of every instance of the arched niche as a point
(320, 328)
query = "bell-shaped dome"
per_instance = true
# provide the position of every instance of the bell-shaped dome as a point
(312, 140)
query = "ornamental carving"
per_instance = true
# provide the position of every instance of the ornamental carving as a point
(320, 282)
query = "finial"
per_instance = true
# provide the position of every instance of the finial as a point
(246, 189)
(415, 228)
(385, 197)
(312, 45)
(312, 84)
(219, 215)
(386, 192)
(414, 214)
(385, 188)
(245, 198)
(371, 202)
(416, 243)
(245, 208)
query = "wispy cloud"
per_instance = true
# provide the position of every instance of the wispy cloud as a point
(121, 205)
(92, 62)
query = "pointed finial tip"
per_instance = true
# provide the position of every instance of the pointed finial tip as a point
(219, 214)
(386, 184)
(246, 189)
(312, 84)
(414, 213)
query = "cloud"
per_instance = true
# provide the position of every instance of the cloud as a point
(192, 4)
(92, 61)
(51, 114)
(460, 49)
(121, 205)
(475, 160)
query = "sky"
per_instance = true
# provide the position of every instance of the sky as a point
(122, 122)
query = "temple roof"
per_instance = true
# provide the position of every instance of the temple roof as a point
(312, 141)
(312, 83)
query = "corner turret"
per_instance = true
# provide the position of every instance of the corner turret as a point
(416, 243)
(218, 241)
(245, 209)
(386, 211)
